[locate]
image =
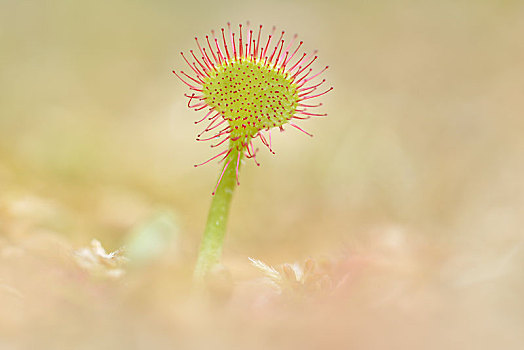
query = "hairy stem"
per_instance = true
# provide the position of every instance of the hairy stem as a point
(211, 246)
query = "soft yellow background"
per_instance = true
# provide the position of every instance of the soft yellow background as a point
(422, 156)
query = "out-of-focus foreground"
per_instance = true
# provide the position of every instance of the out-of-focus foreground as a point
(403, 214)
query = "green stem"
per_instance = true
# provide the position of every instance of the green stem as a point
(211, 246)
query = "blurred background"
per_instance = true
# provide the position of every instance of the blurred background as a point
(410, 197)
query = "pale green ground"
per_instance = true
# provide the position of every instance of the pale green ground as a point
(413, 184)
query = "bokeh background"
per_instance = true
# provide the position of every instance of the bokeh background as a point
(411, 190)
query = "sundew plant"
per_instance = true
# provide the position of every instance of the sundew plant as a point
(246, 85)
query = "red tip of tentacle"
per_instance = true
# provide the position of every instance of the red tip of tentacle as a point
(317, 95)
(210, 159)
(299, 128)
